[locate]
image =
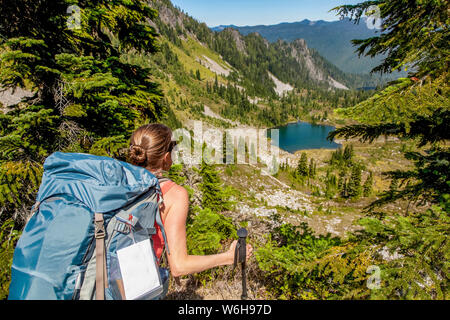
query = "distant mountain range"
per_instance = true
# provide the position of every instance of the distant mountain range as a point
(331, 39)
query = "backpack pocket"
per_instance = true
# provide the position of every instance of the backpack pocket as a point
(129, 232)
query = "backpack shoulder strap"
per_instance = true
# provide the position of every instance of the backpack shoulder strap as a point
(167, 186)
(163, 179)
(100, 262)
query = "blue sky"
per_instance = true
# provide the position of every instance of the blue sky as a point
(256, 12)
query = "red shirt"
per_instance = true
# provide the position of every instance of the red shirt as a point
(158, 239)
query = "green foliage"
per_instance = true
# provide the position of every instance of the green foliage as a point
(299, 265)
(21, 60)
(411, 251)
(419, 247)
(176, 174)
(400, 103)
(348, 186)
(19, 182)
(8, 239)
(428, 181)
(28, 135)
(86, 97)
(331, 185)
(115, 94)
(431, 129)
(198, 75)
(206, 232)
(113, 147)
(416, 34)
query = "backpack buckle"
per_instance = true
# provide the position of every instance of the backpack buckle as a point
(100, 232)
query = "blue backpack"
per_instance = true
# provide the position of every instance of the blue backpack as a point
(87, 209)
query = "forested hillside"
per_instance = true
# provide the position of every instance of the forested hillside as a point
(246, 78)
(367, 221)
(252, 55)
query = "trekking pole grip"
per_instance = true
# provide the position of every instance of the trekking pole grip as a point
(242, 257)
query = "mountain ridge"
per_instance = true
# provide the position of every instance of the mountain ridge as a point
(332, 39)
(304, 21)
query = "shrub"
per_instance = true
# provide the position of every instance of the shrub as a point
(417, 253)
(299, 265)
(206, 232)
(8, 238)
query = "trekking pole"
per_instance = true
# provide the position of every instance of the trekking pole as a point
(240, 255)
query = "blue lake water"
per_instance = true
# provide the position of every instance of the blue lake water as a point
(303, 136)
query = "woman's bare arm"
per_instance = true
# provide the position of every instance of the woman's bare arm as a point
(175, 225)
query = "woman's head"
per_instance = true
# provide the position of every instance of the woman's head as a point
(151, 146)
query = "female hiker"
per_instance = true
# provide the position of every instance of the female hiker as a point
(150, 148)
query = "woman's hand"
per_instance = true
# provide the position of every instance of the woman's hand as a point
(231, 251)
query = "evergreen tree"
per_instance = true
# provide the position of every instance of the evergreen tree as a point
(206, 232)
(348, 154)
(229, 149)
(423, 115)
(354, 185)
(368, 185)
(216, 84)
(302, 168)
(414, 34)
(336, 157)
(331, 185)
(393, 187)
(344, 187)
(83, 91)
(214, 196)
(312, 168)
(241, 150)
(341, 180)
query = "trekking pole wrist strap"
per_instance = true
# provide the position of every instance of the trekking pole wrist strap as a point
(236, 255)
